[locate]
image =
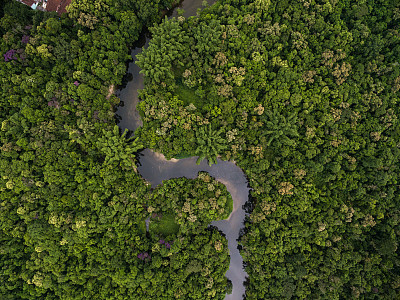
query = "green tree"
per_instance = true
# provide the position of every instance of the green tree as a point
(209, 144)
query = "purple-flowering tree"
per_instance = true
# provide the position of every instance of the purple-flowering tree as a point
(76, 83)
(25, 39)
(54, 103)
(10, 55)
(144, 256)
(161, 242)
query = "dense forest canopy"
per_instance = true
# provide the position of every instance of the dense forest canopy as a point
(303, 95)
(73, 207)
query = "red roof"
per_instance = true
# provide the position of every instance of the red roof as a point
(28, 2)
(57, 6)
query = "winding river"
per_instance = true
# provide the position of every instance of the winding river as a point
(155, 168)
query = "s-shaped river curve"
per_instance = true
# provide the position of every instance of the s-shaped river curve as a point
(155, 168)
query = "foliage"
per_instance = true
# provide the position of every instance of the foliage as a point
(154, 63)
(72, 203)
(209, 144)
(163, 224)
(114, 147)
(305, 94)
(194, 203)
(280, 128)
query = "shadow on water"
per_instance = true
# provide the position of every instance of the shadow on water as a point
(126, 114)
(155, 168)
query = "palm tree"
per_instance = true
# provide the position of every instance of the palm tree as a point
(117, 148)
(209, 144)
(280, 128)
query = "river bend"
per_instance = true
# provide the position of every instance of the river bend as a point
(155, 168)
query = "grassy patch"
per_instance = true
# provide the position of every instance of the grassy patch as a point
(187, 95)
(166, 226)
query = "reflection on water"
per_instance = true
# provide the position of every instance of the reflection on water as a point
(155, 168)
(128, 115)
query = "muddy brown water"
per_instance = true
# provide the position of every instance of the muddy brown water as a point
(155, 168)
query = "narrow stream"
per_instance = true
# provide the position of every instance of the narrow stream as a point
(155, 168)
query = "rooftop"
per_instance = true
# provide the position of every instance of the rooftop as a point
(59, 6)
